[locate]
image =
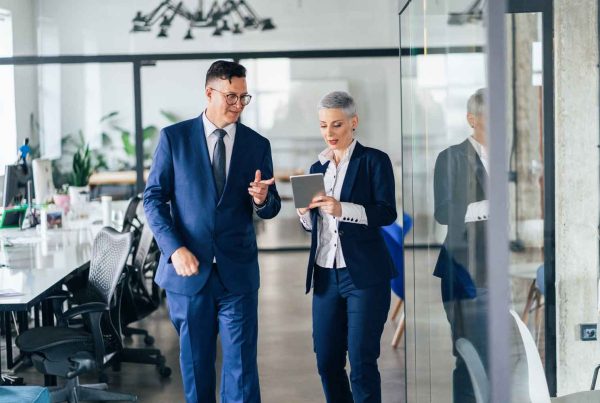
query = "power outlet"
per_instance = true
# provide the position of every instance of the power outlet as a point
(588, 331)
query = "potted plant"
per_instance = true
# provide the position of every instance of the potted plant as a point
(82, 170)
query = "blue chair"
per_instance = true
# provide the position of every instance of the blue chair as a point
(393, 236)
(24, 394)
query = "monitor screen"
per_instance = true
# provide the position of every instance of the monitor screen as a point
(15, 185)
(42, 180)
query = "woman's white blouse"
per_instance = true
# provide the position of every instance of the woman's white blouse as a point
(329, 247)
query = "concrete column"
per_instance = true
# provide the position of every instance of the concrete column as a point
(577, 190)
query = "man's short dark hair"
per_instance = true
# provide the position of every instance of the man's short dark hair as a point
(224, 70)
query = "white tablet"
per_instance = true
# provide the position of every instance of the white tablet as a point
(306, 187)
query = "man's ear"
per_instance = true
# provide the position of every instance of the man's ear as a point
(208, 92)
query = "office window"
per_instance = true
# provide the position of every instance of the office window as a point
(8, 127)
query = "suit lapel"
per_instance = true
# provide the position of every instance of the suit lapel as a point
(321, 168)
(476, 165)
(204, 167)
(318, 169)
(353, 166)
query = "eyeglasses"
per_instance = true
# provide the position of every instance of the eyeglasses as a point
(232, 99)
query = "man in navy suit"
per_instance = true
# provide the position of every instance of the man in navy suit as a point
(203, 188)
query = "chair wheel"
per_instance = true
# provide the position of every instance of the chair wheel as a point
(103, 378)
(164, 372)
(149, 340)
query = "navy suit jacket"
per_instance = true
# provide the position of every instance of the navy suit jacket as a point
(369, 182)
(182, 207)
(459, 180)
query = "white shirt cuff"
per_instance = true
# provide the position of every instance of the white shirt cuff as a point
(478, 211)
(257, 207)
(353, 213)
(305, 219)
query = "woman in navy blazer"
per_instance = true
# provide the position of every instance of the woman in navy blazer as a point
(349, 265)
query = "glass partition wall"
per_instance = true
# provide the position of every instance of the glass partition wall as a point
(478, 175)
(63, 108)
(454, 180)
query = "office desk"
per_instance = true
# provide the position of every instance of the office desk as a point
(115, 178)
(524, 270)
(35, 266)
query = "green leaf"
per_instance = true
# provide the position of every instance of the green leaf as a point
(149, 132)
(81, 143)
(106, 139)
(170, 116)
(109, 115)
(127, 145)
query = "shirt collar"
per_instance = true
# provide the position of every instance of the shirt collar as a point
(327, 154)
(479, 148)
(210, 127)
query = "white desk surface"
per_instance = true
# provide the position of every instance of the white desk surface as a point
(32, 263)
(524, 270)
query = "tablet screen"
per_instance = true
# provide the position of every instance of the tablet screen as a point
(306, 187)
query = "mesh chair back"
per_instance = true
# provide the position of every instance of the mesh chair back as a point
(143, 248)
(131, 213)
(109, 255)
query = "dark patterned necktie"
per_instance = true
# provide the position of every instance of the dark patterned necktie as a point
(218, 162)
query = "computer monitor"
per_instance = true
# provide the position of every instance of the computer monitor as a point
(42, 180)
(15, 185)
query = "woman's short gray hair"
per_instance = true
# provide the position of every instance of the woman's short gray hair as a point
(476, 102)
(338, 100)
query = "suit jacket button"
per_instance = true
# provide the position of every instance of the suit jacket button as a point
(341, 233)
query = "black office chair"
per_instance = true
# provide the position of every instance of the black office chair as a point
(137, 303)
(131, 220)
(68, 352)
(132, 223)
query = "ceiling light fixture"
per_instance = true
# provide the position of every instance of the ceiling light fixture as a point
(472, 15)
(219, 16)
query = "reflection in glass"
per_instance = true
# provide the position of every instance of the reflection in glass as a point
(460, 185)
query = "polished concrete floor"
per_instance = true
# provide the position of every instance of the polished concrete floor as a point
(285, 355)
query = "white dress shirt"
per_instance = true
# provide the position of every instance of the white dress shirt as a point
(329, 247)
(479, 211)
(212, 137)
(481, 151)
(211, 142)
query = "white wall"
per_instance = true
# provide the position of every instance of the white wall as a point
(24, 43)
(102, 27)
(90, 27)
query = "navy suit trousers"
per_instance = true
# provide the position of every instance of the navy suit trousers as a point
(198, 319)
(347, 320)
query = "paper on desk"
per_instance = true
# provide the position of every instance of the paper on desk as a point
(24, 240)
(9, 292)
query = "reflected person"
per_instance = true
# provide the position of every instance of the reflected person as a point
(205, 184)
(460, 181)
(349, 264)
